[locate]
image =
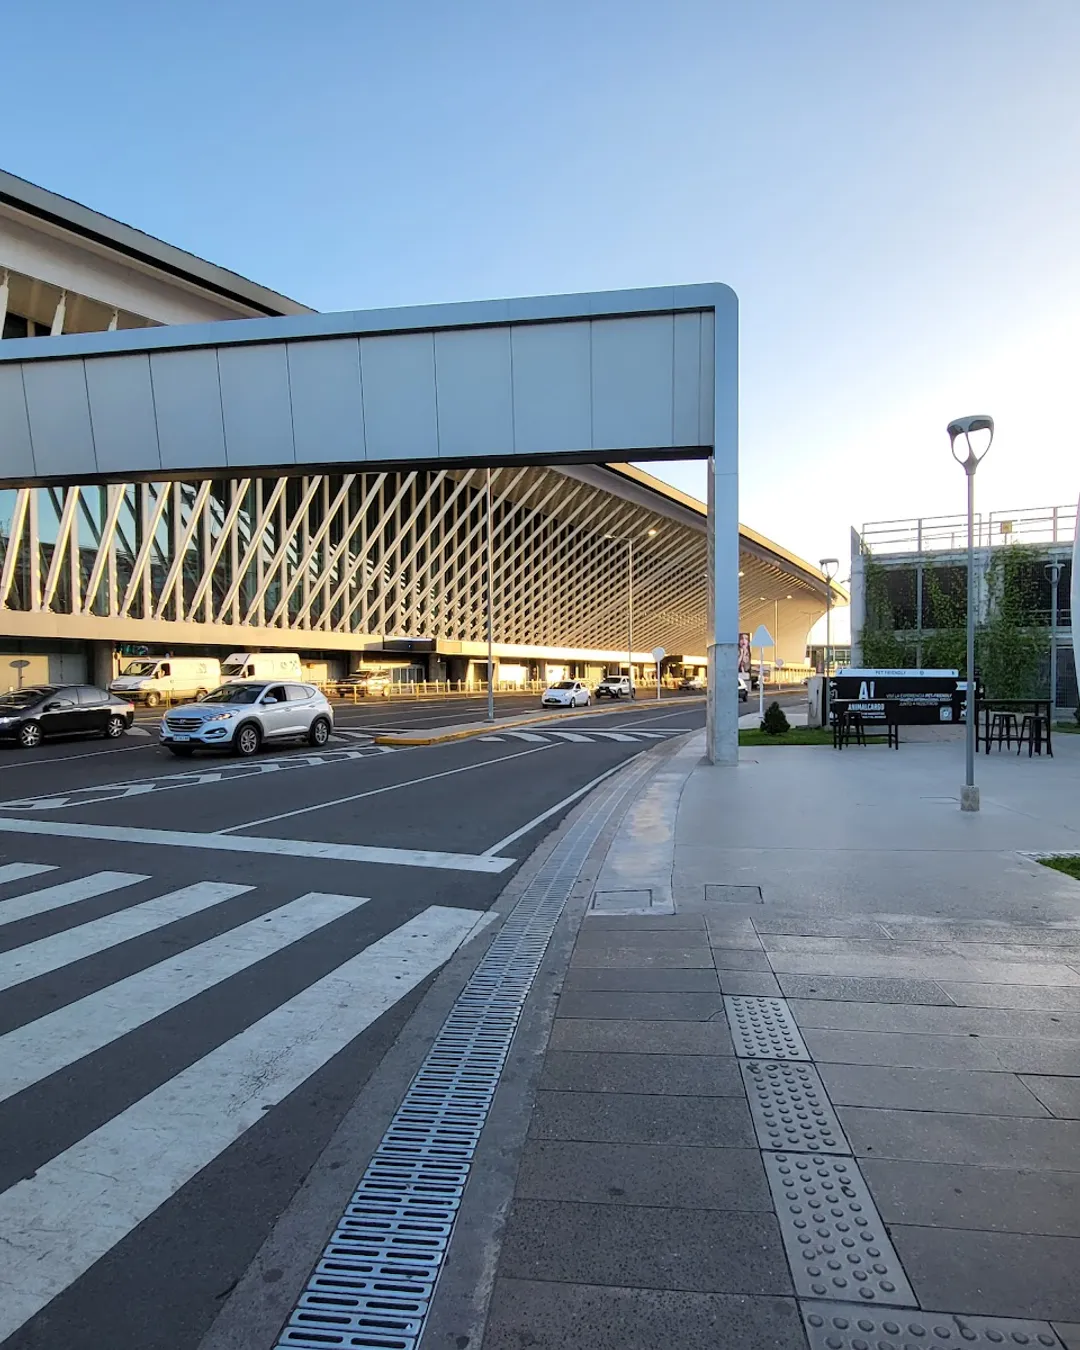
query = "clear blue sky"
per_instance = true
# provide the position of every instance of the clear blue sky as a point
(891, 186)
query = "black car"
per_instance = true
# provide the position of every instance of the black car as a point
(28, 715)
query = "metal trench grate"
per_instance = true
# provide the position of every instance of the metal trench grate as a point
(374, 1282)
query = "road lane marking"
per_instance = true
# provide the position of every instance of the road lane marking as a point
(375, 792)
(66, 893)
(524, 735)
(80, 1204)
(545, 815)
(39, 760)
(87, 939)
(286, 848)
(614, 735)
(21, 871)
(38, 1049)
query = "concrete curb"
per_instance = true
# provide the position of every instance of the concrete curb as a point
(461, 733)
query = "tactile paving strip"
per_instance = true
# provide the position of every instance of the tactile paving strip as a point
(790, 1107)
(834, 1237)
(763, 1028)
(834, 1326)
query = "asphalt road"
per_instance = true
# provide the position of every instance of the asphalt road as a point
(202, 962)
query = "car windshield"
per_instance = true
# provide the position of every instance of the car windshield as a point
(232, 668)
(139, 668)
(564, 684)
(235, 693)
(24, 698)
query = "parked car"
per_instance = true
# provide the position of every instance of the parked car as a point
(695, 683)
(29, 715)
(567, 694)
(616, 686)
(366, 683)
(152, 679)
(744, 687)
(242, 716)
(261, 666)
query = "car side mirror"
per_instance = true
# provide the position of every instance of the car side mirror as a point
(52, 707)
(267, 701)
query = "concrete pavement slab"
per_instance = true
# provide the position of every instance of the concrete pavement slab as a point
(866, 989)
(675, 1075)
(711, 1251)
(937, 1021)
(641, 923)
(682, 956)
(1038, 1144)
(932, 968)
(583, 979)
(734, 958)
(1048, 997)
(1069, 1334)
(971, 1091)
(545, 1316)
(957, 1195)
(753, 983)
(801, 924)
(1061, 1095)
(637, 1118)
(901, 1050)
(654, 1006)
(640, 940)
(997, 1274)
(666, 1175)
(1038, 1057)
(647, 1038)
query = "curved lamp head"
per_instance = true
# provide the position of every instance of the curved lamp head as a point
(963, 428)
(829, 567)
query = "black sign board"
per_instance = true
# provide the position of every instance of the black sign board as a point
(907, 697)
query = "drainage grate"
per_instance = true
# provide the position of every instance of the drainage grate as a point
(836, 1326)
(763, 1028)
(373, 1286)
(834, 1237)
(791, 1109)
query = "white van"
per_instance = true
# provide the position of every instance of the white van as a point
(153, 679)
(261, 666)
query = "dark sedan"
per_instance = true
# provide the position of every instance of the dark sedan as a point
(29, 715)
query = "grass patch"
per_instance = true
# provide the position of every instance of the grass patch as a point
(1070, 866)
(796, 736)
(1070, 728)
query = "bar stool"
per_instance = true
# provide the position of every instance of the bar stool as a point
(1004, 726)
(1035, 728)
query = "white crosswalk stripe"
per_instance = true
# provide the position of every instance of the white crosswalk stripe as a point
(71, 1209)
(591, 736)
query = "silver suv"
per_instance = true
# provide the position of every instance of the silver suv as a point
(241, 716)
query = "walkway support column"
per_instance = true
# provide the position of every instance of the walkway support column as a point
(722, 725)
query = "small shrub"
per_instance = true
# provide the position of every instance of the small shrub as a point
(774, 723)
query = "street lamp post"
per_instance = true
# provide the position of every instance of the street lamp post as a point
(490, 606)
(1053, 571)
(629, 542)
(962, 430)
(829, 568)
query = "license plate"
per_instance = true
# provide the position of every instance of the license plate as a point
(180, 736)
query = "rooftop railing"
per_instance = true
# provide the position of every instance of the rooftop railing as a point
(937, 534)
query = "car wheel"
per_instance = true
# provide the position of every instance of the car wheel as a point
(114, 727)
(30, 735)
(247, 740)
(153, 698)
(182, 751)
(319, 733)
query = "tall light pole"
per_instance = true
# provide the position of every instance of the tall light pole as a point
(829, 568)
(629, 542)
(1053, 571)
(969, 459)
(490, 620)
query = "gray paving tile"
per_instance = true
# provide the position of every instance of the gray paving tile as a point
(684, 956)
(732, 958)
(655, 1007)
(674, 1075)
(651, 940)
(642, 981)
(927, 968)
(541, 1315)
(728, 932)
(941, 1021)
(751, 982)
(763, 1028)
(916, 1052)
(712, 1251)
(790, 1108)
(1060, 1095)
(1068, 1334)
(879, 945)
(668, 1175)
(1038, 1057)
(836, 1241)
(865, 989)
(839, 1326)
(975, 1091)
(637, 1118)
(607, 923)
(995, 1274)
(1043, 1145)
(996, 1199)
(818, 925)
(1051, 997)
(646, 1038)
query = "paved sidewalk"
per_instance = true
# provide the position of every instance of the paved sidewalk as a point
(844, 1115)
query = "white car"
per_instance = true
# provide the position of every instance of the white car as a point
(744, 687)
(242, 716)
(567, 694)
(616, 686)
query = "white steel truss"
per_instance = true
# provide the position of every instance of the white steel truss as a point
(395, 553)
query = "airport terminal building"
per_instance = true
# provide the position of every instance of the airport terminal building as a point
(590, 565)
